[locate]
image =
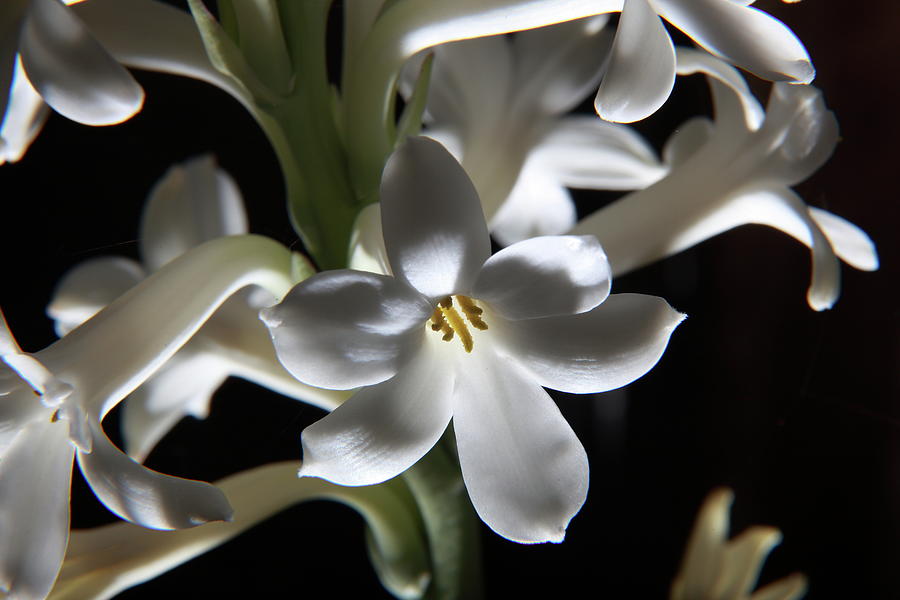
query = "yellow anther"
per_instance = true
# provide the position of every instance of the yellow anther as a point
(448, 321)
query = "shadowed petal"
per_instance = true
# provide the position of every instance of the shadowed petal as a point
(384, 429)
(26, 113)
(72, 71)
(345, 329)
(193, 203)
(144, 496)
(434, 230)
(537, 205)
(641, 69)
(35, 475)
(526, 472)
(596, 351)
(545, 276)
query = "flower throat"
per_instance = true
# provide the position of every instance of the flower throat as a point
(448, 321)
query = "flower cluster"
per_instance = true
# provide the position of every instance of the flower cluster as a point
(449, 126)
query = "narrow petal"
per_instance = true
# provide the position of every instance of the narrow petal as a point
(72, 71)
(792, 587)
(26, 113)
(703, 555)
(346, 329)
(641, 70)
(850, 243)
(89, 287)
(384, 429)
(744, 558)
(146, 497)
(104, 561)
(745, 36)
(545, 276)
(194, 202)
(537, 205)
(434, 230)
(35, 475)
(585, 152)
(692, 61)
(524, 468)
(596, 351)
(184, 386)
(367, 252)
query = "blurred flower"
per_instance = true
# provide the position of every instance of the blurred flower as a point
(460, 334)
(734, 171)
(716, 568)
(194, 202)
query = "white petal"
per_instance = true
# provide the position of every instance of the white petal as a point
(345, 329)
(194, 202)
(367, 252)
(434, 230)
(744, 35)
(72, 71)
(146, 34)
(746, 110)
(685, 141)
(537, 205)
(526, 472)
(384, 429)
(35, 475)
(90, 286)
(596, 351)
(25, 116)
(849, 242)
(545, 276)
(582, 151)
(559, 65)
(641, 69)
(184, 386)
(146, 497)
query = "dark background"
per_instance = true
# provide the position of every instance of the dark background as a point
(796, 410)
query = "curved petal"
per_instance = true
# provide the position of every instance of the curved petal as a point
(526, 472)
(194, 202)
(434, 230)
(596, 351)
(384, 429)
(184, 386)
(90, 286)
(26, 113)
(72, 71)
(35, 476)
(545, 276)
(849, 242)
(537, 205)
(346, 329)
(367, 252)
(583, 151)
(146, 497)
(690, 61)
(641, 70)
(703, 554)
(685, 141)
(744, 558)
(792, 587)
(745, 36)
(146, 34)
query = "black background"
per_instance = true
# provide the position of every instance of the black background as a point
(796, 410)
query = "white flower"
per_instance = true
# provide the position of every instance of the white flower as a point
(641, 69)
(194, 202)
(733, 172)
(498, 104)
(460, 334)
(716, 568)
(52, 404)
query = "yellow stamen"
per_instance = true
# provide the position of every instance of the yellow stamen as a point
(448, 321)
(472, 312)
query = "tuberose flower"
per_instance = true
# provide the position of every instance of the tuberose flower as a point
(735, 171)
(459, 334)
(193, 203)
(717, 568)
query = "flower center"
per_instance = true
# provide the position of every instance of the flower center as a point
(450, 323)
